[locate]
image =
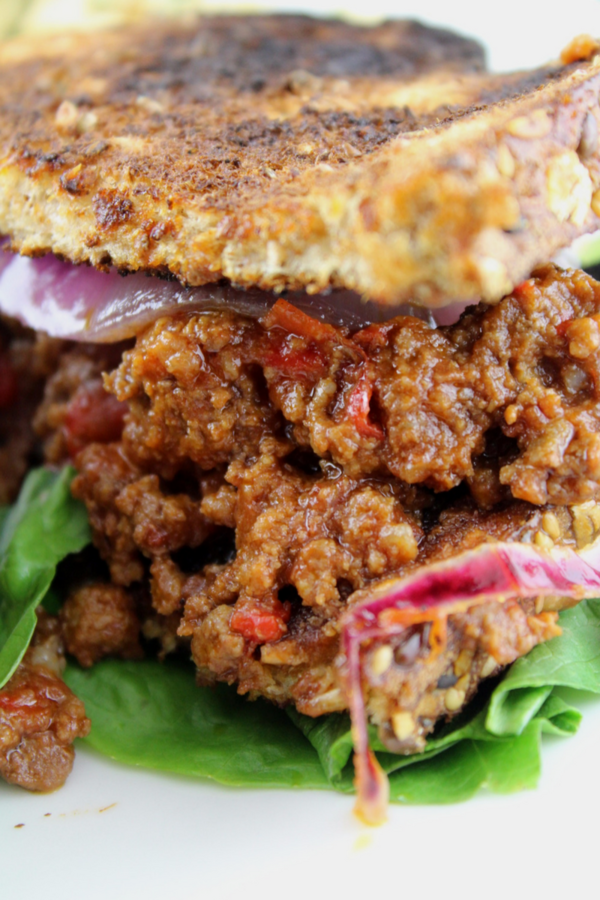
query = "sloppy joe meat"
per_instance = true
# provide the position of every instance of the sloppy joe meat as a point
(336, 459)
(399, 399)
(39, 716)
(244, 478)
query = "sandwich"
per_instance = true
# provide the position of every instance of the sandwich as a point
(279, 289)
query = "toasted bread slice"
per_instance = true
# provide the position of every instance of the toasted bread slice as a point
(286, 152)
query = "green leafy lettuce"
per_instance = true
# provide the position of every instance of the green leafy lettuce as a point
(587, 249)
(152, 714)
(40, 530)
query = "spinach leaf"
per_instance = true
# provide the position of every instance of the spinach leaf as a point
(466, 766)
(459, 758)
(474, 758)
(571, 660)
(588, 250)
(154, 715)
(41, 529)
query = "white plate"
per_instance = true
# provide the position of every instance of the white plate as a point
(116, 832)
(122, 833)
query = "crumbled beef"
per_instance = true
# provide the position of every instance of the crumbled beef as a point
(310, 531)
(242, 633)
(100, 620)
(193, 395)
(104, 471)
(26, 361)
(528, 366)
(133, 516)
(39, 716)
(268, 470)
(75, 409)
(231, 405)
(399, 398)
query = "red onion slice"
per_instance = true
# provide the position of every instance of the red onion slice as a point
(497, 572)
(83, 303)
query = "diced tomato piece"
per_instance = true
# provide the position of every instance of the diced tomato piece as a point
(12, 701)
(260, 625)
(297, 360)
(373, 336)
(93, 415)
(293, 320)
(525, 290)
(358, 408)
(9, 386)
(285, 316)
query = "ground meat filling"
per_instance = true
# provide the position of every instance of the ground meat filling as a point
(52, 401)
(39, 716)
(195, 396)
(75, 409)
(400, 399)
(325, 461)
(304, 543)
(26, 362)
(100, 620)
(136, 516)
(245, 478)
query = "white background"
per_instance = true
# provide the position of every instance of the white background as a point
(114, 832)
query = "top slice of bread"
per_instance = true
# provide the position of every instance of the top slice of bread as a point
(292, 153)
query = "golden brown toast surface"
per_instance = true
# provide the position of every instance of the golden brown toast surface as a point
(288, 152)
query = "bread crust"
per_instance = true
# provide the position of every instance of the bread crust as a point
(292, 153)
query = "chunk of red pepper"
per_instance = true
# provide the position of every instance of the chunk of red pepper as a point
(297, 360)
(287, 317)
(526, 290)
(358, 407)
(93, 415)
(294, 321)
(261, 625)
